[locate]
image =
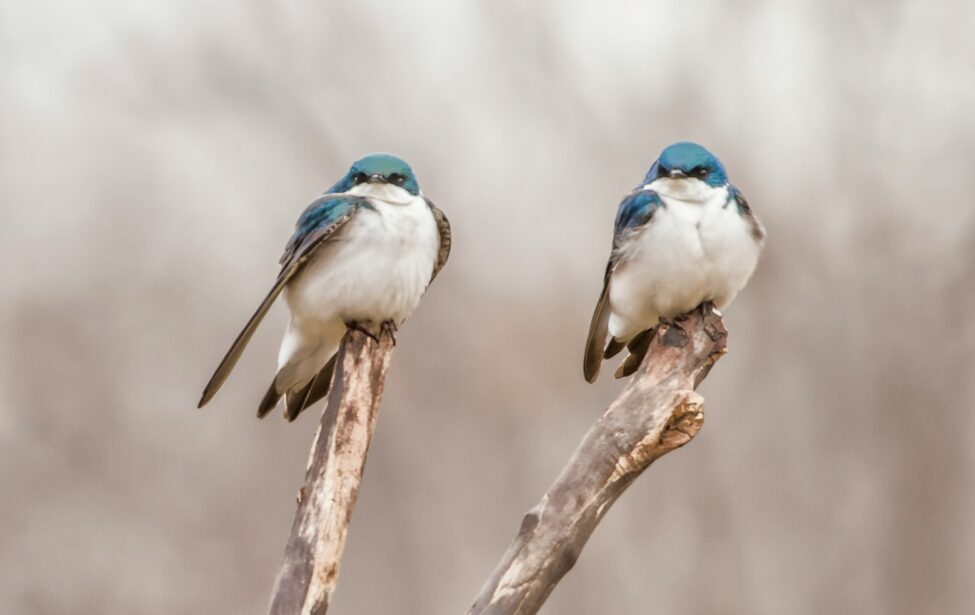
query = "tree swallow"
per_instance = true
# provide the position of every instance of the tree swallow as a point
(683, 238)
(361, 257)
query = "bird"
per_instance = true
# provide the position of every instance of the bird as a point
(683, 238)
(361, 257)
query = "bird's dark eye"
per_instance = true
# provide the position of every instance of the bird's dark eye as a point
(397, 179)
(700, 172)
(359, 178)
(662, 171)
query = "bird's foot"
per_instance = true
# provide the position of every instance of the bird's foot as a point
(673, 333)
(708, 308)
(674, 323)
(355, 325)
(389, 328)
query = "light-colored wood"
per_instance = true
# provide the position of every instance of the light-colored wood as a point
(310, 570)
(658, 411)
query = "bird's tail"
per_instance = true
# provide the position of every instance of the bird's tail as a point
(637, 349)
(299, 397)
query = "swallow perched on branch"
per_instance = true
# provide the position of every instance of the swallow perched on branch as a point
(361, 256)
(683, 238)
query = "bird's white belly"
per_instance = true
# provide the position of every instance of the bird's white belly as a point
(690, 252)
(377, 270)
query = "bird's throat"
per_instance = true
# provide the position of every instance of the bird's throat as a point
(383, 192)
(689, 189)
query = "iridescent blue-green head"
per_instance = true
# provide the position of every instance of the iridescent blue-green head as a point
(379, 168)
(688, 160)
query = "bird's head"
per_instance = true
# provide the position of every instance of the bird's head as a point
(379, 171)
(688, 162)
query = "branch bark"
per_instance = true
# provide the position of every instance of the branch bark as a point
(311, 559)
(658, 411)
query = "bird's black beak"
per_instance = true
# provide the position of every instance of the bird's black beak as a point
(377, 178)
(676, 174)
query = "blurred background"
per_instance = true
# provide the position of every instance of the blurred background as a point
(154, 157)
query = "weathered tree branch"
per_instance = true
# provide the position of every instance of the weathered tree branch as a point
(658, 411)
(311, 559)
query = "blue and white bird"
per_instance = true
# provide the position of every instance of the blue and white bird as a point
(683, 238)
(361, 256)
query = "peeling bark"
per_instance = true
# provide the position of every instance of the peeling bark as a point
(657, 412)
(310, 570)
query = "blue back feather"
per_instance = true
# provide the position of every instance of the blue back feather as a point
(743, 207)
(321, 213)
(636, 210)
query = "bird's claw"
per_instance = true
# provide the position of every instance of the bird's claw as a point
(674, 323)
(355, 325)
(386, 327)
(389, 328)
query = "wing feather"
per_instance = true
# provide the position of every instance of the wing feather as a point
(320, 223)
(598, 331)
(754, 224)
(634, 212)
(443, 227)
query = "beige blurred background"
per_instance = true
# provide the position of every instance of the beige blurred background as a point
(154, 157)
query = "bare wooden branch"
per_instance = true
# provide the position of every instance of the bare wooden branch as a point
(311, 559)
(658, 411)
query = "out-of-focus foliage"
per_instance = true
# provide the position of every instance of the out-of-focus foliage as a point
(153, 158)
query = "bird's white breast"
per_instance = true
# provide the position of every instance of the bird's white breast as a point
(376, 270)
(696, 248)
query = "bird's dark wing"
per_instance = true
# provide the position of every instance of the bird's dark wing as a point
(443, 226)
(309, 394)
(635, 211)
(598, 331)
(755, 226)
(319, 224)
